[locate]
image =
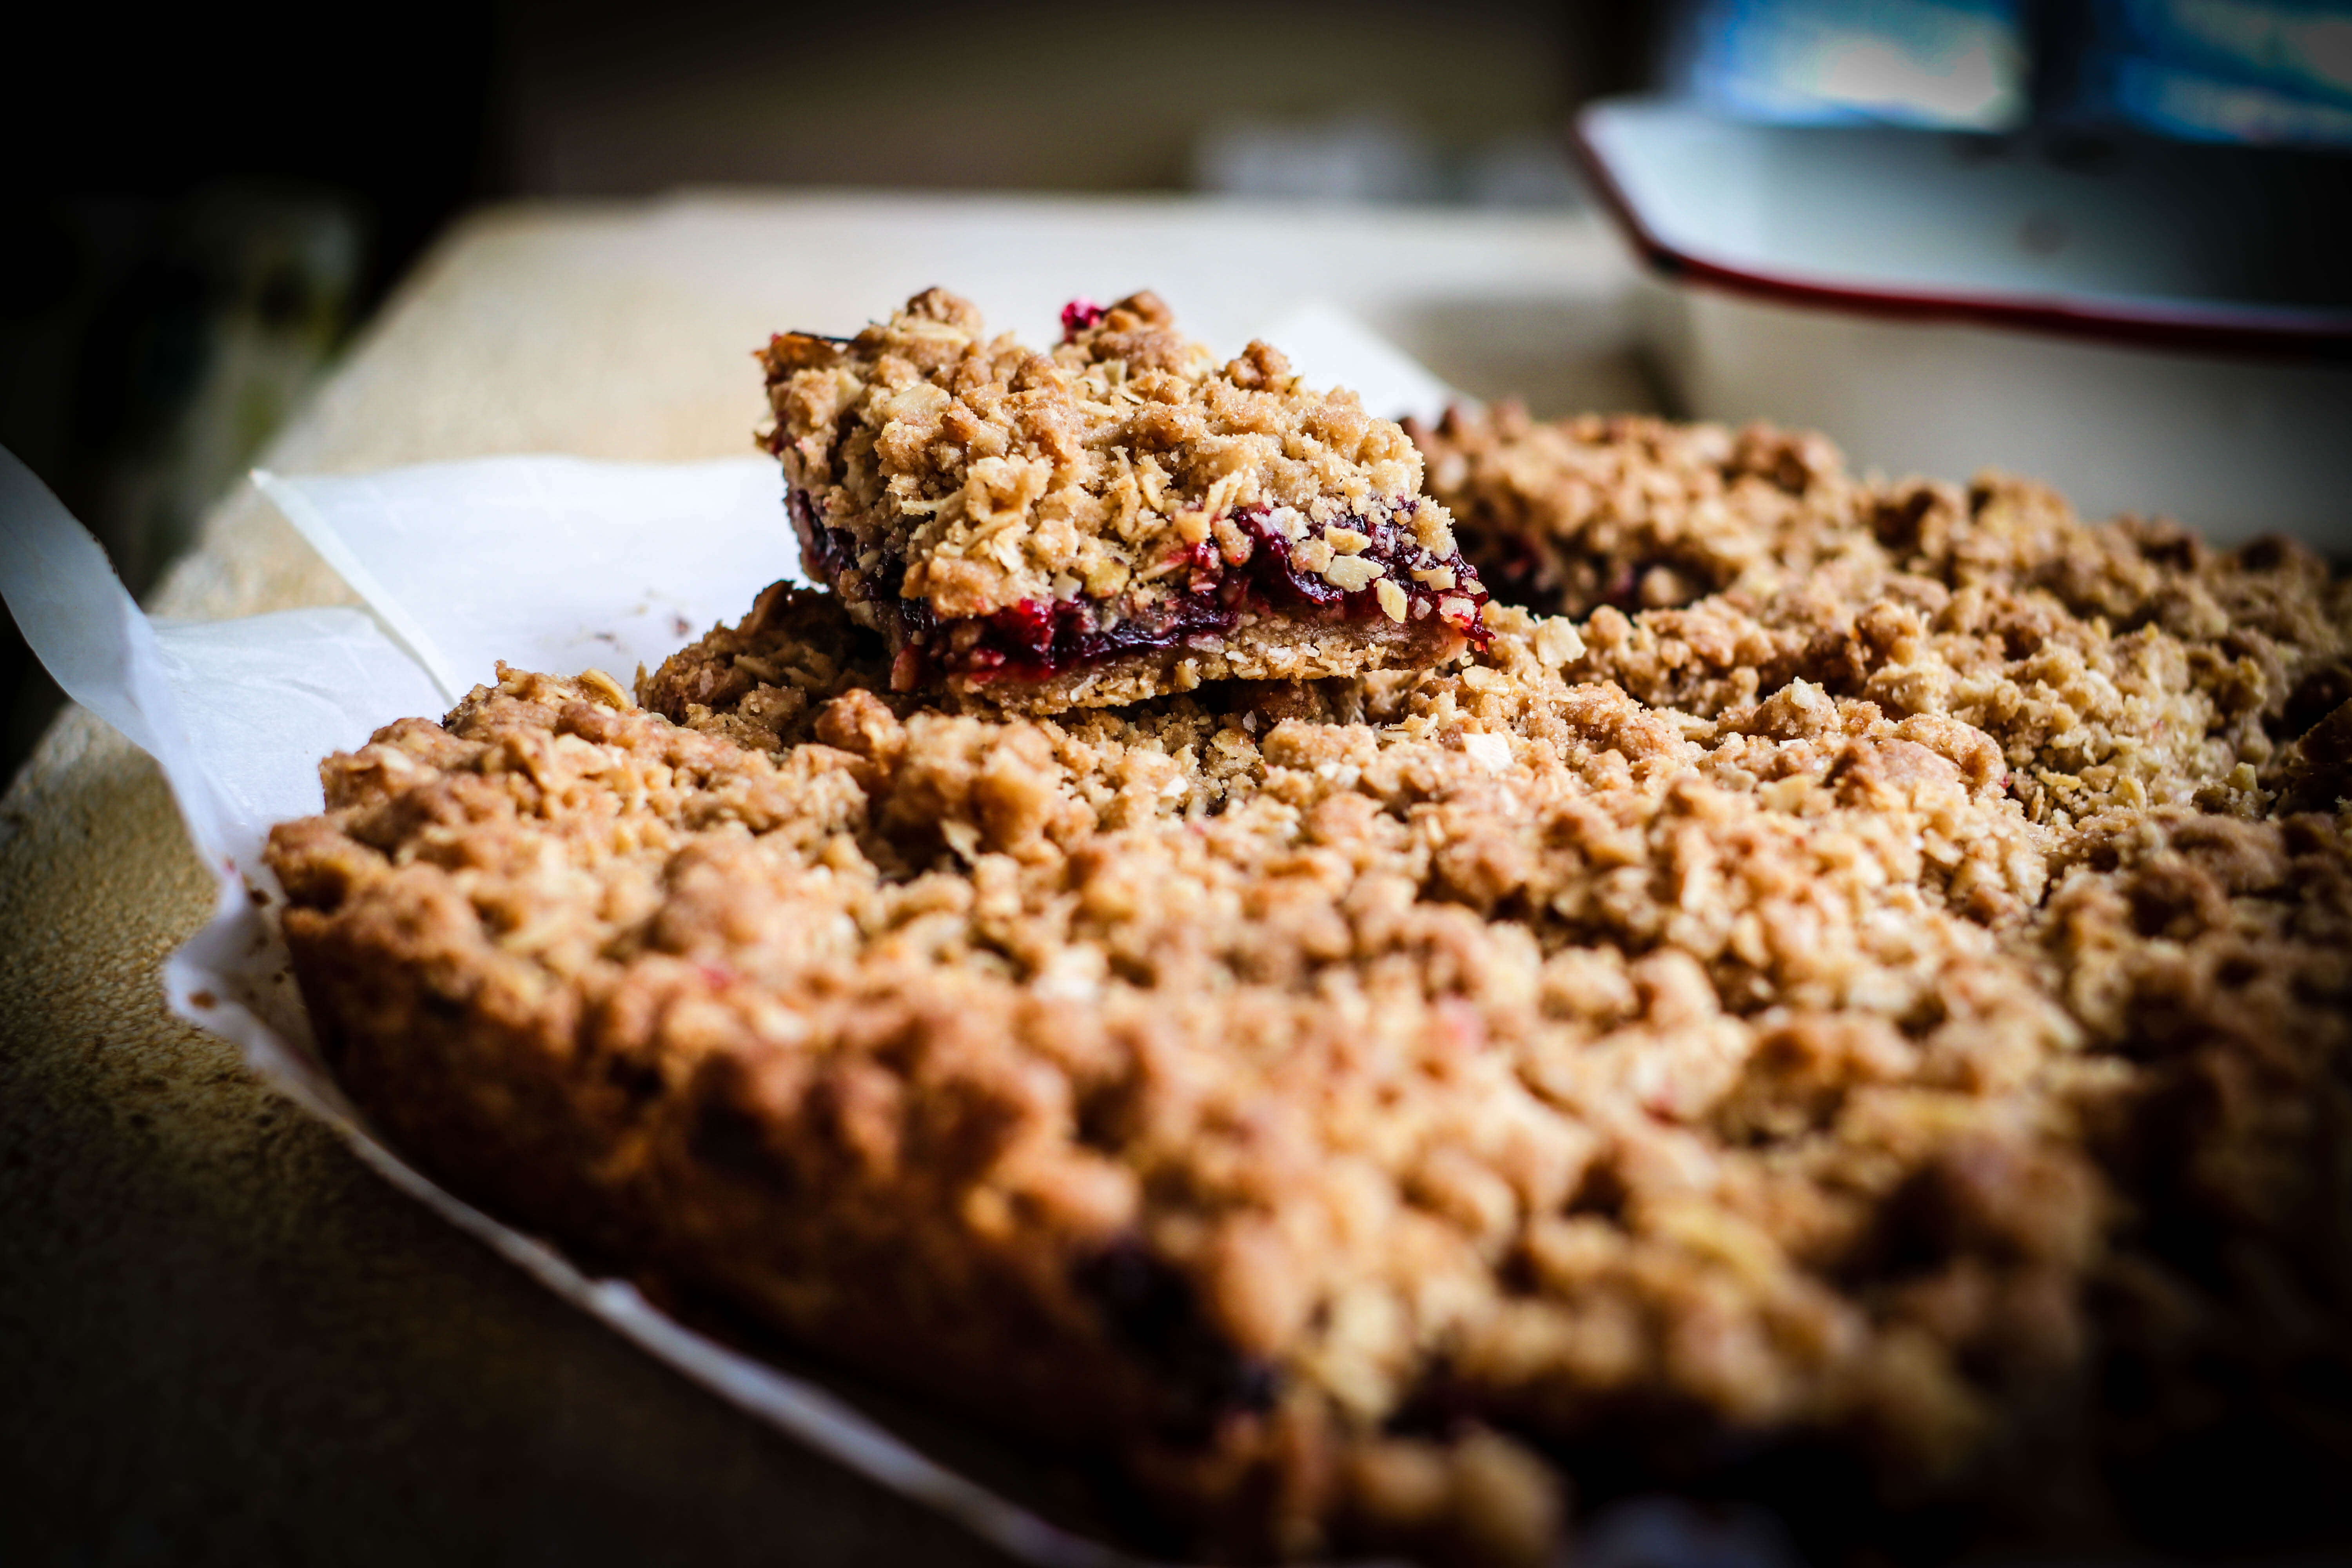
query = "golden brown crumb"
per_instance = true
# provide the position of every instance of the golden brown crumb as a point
(1115, 519)
(1633, 512)
(1877, 1006)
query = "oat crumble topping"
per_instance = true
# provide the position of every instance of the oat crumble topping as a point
(1888, 994)
(1005, 515)
(1633, 512)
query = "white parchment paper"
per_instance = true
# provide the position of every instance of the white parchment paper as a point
(551, 563)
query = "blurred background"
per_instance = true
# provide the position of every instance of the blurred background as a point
(207, 206)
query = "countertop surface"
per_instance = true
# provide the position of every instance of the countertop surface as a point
(221, 1337)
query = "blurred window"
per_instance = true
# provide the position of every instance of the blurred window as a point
(1958, 64)
(2221, 71)
(2277, 71)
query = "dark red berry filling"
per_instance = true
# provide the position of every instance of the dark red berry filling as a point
(1038, 639)
(1078, 315)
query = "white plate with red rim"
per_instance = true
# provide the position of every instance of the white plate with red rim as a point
(2153, 327)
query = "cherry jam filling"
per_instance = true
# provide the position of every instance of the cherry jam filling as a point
(1204, 596)
(1078, 315)
(1514, 569)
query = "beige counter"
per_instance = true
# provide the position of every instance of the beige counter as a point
(220, 1336)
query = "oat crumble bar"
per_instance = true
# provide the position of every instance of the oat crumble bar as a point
(1633, 512)
(1891, 1005)
(1116, 519)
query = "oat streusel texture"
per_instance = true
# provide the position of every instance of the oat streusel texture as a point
(1633, 512)
(2122, 665)
(958, 489)
(1878, 1007)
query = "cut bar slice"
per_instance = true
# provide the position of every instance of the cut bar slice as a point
(1113, 519)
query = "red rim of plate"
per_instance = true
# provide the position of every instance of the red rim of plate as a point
(2296, 335)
